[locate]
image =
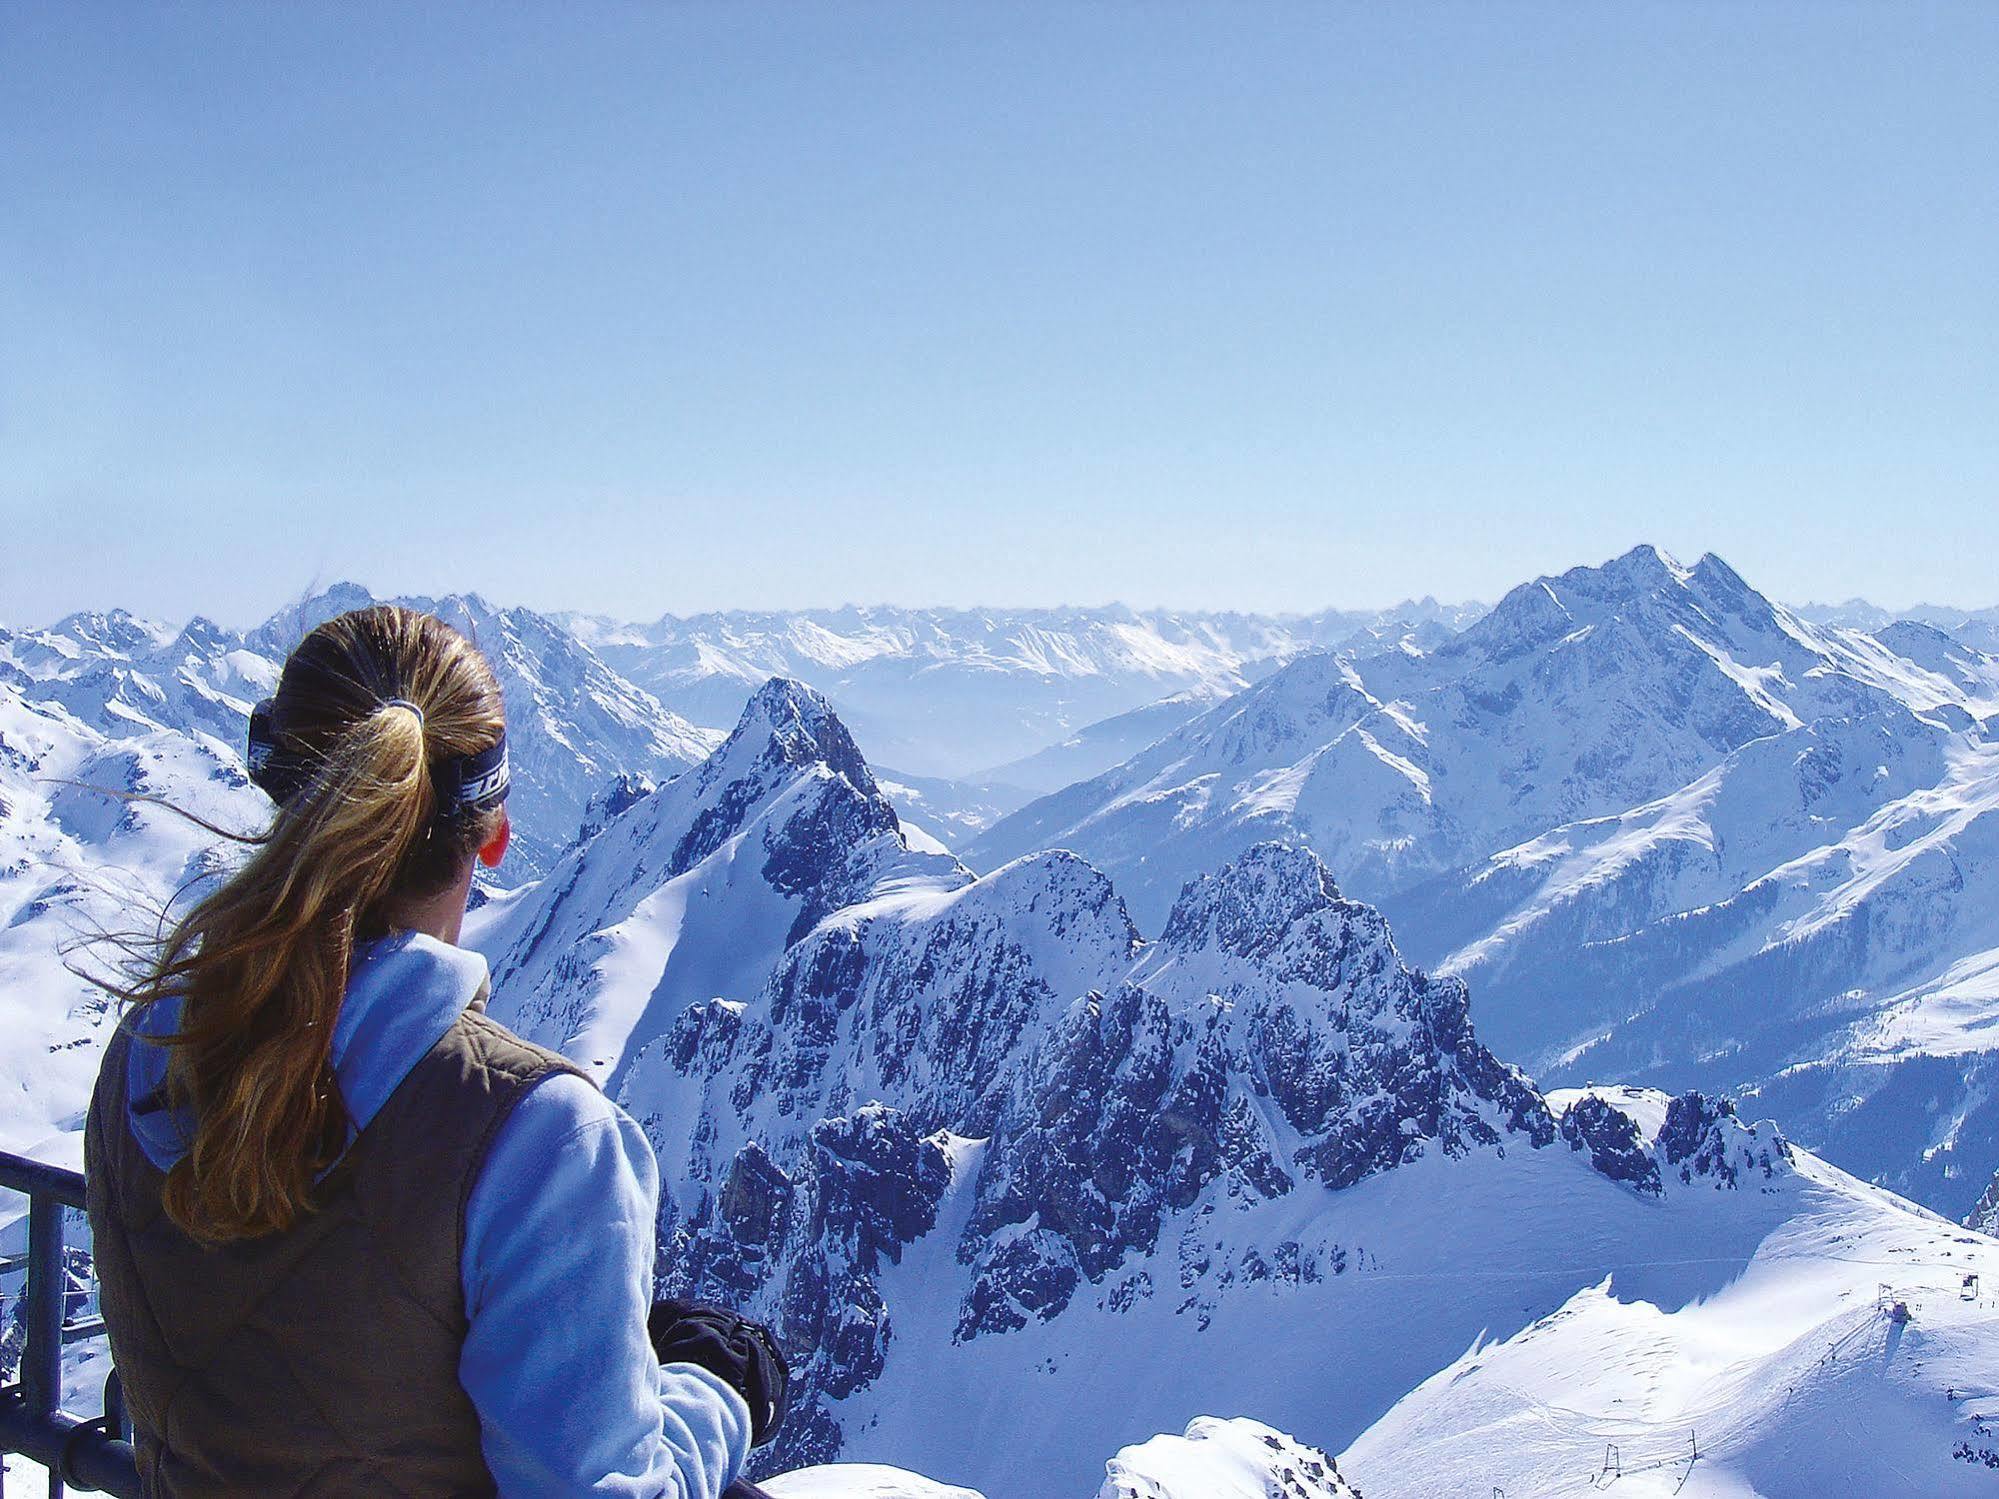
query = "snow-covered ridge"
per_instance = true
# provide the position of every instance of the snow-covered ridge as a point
(1662, 823)
(1851, 1353)
(694, 888)
(75, 864)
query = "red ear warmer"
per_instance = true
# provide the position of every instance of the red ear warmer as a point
(496, 850)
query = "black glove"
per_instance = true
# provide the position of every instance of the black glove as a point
(741, 1353)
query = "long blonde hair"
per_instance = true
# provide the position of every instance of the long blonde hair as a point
(261, 963)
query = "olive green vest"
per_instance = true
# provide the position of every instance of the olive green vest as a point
(322, 1360)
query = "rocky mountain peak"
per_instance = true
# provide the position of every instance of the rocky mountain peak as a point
(801, 728)
(1642, 581)
(1246, 907)
(786, 731)
(276, 636)
(1643, 567)
(200, 637)
(1715, 575)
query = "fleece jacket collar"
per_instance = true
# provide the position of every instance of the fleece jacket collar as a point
(403, 993)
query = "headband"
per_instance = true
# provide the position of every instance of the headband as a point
(465, 783)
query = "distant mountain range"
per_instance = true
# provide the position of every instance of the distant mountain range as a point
(1088, 1110)
(1974, 627)
(946, 692)
(573, 724)
(958, 692)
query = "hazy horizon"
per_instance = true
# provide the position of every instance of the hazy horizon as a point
(992, 606)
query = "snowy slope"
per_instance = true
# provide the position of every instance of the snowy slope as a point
(860, 1481)
(75, 864)
(1793, 1376)
(574, 724)
(1213, 1459)
(1238, 1459)
(1097, 747)
(1960, 665)
(1813, 922)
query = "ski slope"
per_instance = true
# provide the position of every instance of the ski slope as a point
(1792, 1375)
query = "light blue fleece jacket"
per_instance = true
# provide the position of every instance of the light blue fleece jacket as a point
(558, 1256)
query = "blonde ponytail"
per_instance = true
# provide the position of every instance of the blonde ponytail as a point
(368, 702)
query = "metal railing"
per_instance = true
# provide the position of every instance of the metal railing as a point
(79, 1453)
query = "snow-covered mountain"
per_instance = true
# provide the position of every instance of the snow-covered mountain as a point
(75, 864)
(574, 725)
(695, 889)
(1814, 921)
(1670, 830)
(955, 692)
(1017, 1185)
(127, 677)
(1576, 696)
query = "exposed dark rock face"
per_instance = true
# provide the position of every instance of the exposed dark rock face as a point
(1007, 1057)
(1106, 1090)
(806, 1247)
(1985, 1217)
(1704, 1139)
(1145, 1098)
(1611, 1138)
(624, 790)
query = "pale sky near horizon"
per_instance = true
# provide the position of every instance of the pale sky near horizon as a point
(663, 308)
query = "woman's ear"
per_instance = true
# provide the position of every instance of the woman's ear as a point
(496, 846)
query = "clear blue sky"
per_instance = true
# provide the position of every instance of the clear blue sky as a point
(643, 307)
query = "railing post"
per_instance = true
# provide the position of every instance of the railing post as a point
(97, 1454)
(41, 1360)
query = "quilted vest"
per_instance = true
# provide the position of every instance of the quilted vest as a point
(322, 1360)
